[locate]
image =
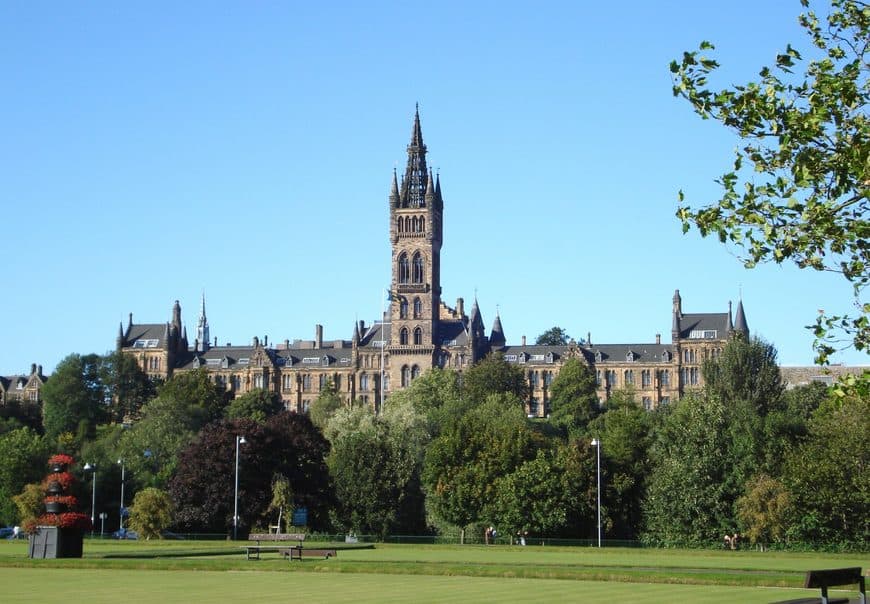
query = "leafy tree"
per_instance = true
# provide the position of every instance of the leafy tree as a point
(29, 503)
(282, 497)
(73, 394)
(16, 413)
(288, 444)
(195, 390)
(828, 476)
(574, 397)
(435, 394)
(807, 140)
(493, 375)
(764, 510)
(692, 488)
(555, 336)
(23, 453)
(151, 513)
(552, 494)
(129, 388)
(746, 372)
(258, 405)
(325, 405)
(463, 464)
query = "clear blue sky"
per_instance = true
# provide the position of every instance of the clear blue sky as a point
(152, 151)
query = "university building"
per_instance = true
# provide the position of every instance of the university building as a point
(420, 331)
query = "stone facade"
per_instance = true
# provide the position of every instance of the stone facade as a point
(419, 331)
(23, 388)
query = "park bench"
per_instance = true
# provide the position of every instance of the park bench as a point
(269, 542)
(299, 552)
(834, 577)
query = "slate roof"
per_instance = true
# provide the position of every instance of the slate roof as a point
(618, 353)
(453, 331)
(693, 321)
(147, 331)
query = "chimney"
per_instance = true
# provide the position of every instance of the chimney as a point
(362, 328)
(32, 368)
(524, 340)
(266, 341)
(658, 338)
(215, 341)
(318, 336)
(256, 341)
(39, 370)
(196, 345)
(287, 344)
(460, 306)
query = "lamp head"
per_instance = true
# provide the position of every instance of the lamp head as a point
(90, 467)
(242, 440)
(595, 442)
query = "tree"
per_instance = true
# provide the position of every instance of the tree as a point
(493, 375)
(325, 405)
(258, 405)
(574, 397)
(435, 395)
(29, 503)
(195, 390)
(764, 510)
(828, 476)
(129, 388)
(805, 199)
(74, 394)
(151, 513)
(463, 464)
(23, 453)
(282, 497)
(746, 372)
(555, 336)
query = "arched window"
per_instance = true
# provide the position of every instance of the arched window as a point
(400, 224)
(418, 308)
(422, 224)
(629, 377)
(418, 268)
(403, 336)
(403, 309)
(306, 382)
(404, 268)
(406, 376)
(415, 372)
(418, 336)
(364, 382)
(415, 224)
(323, 380)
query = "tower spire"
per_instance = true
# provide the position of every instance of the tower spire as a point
(202, 335)
(414, 183)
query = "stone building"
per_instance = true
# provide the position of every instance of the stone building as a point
(23, 388)
(419, 331)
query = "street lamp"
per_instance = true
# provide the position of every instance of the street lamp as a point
(597, 444)
(240, 440)
(121, 510)
(92, 467)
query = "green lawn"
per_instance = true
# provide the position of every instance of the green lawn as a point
(212, 571)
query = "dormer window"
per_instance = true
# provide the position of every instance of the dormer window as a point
(629, 356)
(666, 356)
(598, 356)
(325, 361)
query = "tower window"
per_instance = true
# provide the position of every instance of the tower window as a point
(404, 269)
(415, 372)
(418, 336)
(403, 309)
(406, 376)
(403, 336)
(418, 268)
(418, 308)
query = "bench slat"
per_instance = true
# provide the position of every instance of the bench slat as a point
(833, 577)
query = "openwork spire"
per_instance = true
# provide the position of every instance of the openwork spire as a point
(416, 177)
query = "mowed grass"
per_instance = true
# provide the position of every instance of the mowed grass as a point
(193, 572)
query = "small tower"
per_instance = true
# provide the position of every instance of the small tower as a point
(202, 334)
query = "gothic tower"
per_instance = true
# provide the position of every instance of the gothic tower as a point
(416, 211)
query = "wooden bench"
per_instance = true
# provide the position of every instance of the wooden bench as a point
(299, 552)
(271, 541)
(834, 577)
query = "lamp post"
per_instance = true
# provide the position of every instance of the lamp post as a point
(121, 509)
(240, 440)
(92, 467)
(597, 444)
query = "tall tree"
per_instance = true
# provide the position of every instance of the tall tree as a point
(803, 197)
(258, 405)
(23, 454)
(325, 405)
(128, 387)
(493, 375)
(746, 372)
(195, 390)
(74, 396)
(574, 397)
(151, 513)
(555, 336)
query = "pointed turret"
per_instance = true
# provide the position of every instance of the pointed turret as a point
(496, 336)
(730, 323)
(677, 315)
(740, 324)
(202, 334)
(430, 190)
(413, 193)
(119, 342)
(394, 191)
(356, 336)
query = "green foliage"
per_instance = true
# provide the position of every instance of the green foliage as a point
(196, 391)
(23, 453)
(73, 394)
(282, 497)
(463, 464)
(573, 397)
(804, 196)
(29, 502)
(828, 475)
(435, 394)
(128, 387)
(258, 405)
(151, 513)
(555, 336)
(747, 373)
(764, 510)
(493, 375)
(325, 405)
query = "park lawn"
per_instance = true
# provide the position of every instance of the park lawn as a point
(95, 586)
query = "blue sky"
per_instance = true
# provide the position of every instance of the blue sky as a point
(153, 151)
